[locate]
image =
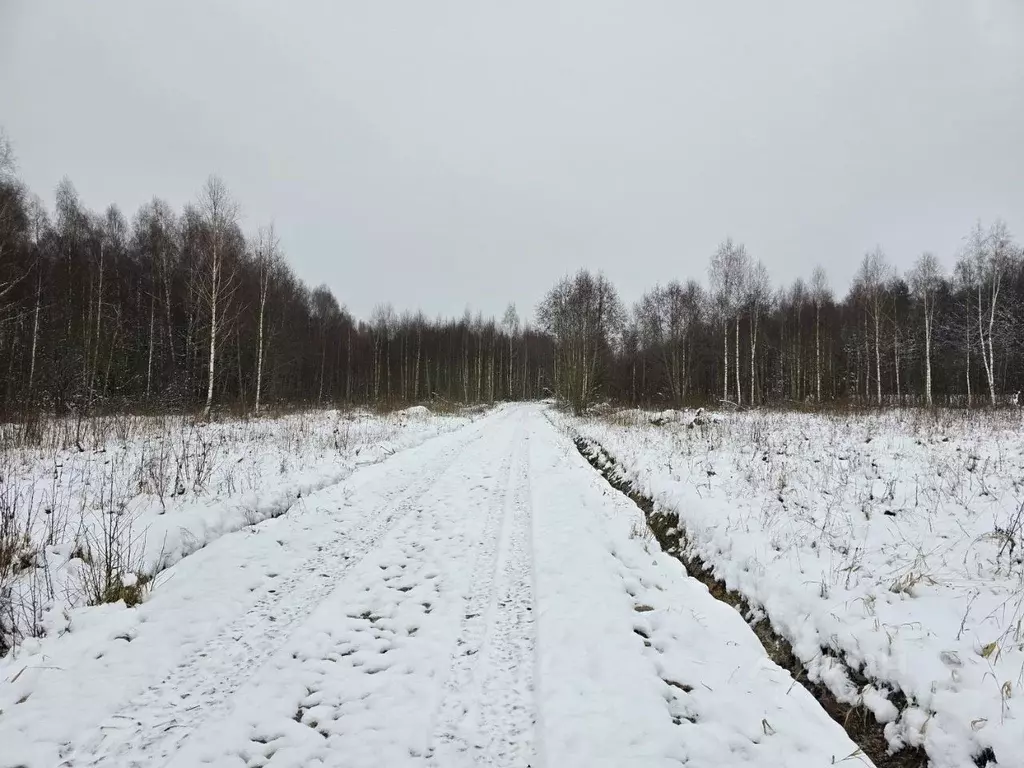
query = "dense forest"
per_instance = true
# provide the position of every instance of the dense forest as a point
(925, 338)
(182, 310)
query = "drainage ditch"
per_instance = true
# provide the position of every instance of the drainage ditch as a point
(858, 721)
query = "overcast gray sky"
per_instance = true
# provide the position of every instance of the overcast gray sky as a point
(444, 154)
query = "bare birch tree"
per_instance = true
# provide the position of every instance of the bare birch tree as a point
(820, 294)
(38, 223)
(510, 322)
(220, 215)
(759, 292)
(925, 279)
(583, 314)
(727, 271)
(874, 272)
(268, 262)
(982, 268)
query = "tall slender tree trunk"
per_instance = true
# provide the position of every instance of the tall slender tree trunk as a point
(480, 368)
(780, 390)
(739, 389)
(526, 368)
(896, 362)
(323, 357)
(687, 356)
(214, 295)
(110, 357)
(490, 374)
(376, 368)
(753, 354)
(35, 336)
(799, 352)
(259, 347)
(387, 366)
(831, 370)
(149, 357)
(465, 368)
(87, 340)
(348, 365)
(986, 363)
(967, 374)
(240, 386)
(725, 357)
(584, 386)
(416, 369)
(99, 319)
(170, 324)
(878, 355)
(817, 351)
(403, 384)
(867, 360)
(991, 351)
(927, 352)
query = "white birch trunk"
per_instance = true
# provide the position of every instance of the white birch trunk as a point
(817, 351)
(927, 352)
(725, 349)
(149, 357)
(991, 333)
(878, 356)
(35, 338)
(753, 352)
(259, 346)
(214, 291)
(739, 390)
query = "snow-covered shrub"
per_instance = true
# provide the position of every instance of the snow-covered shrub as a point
(92, 508)
(889, 538)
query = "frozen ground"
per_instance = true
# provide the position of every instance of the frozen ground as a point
(894, 540)
(482, 599)
(86, 505)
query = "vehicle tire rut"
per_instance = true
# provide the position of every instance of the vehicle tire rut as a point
(179, 703)
(487, 714)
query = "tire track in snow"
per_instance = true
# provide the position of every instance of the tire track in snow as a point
(487, 715)
(360, 683)
(155, 723)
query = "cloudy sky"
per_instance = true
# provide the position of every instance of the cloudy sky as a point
(450, 154)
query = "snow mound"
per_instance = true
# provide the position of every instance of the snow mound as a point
(697, 418)
(416, 412)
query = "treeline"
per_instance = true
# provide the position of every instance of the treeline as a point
(182, 310)
(930, 336)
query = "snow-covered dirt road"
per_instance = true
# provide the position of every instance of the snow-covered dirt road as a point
(484, 599)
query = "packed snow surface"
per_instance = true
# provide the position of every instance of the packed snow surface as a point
(163, 488)
(893, 540)
(483, 599)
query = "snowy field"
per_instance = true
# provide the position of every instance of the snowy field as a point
(894, 540)
(90, 509)
(481, 599)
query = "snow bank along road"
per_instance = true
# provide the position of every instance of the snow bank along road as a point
(483, 599)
